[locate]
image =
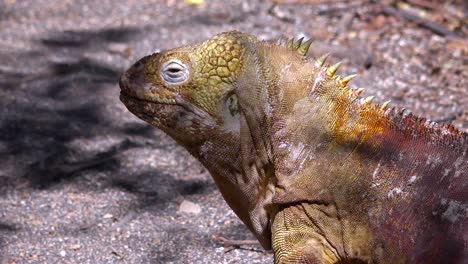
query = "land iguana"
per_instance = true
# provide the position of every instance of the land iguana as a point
(316, 172)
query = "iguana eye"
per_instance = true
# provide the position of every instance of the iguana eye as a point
(174, 72)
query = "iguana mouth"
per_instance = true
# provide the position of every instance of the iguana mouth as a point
(151, 99)
(168, 102)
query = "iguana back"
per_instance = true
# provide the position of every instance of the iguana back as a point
(361, 181)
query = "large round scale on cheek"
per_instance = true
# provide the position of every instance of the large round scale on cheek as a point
(218, 58)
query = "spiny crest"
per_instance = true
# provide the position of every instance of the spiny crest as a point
(358, 91)
(383, 107)
(343, 82)
(413, 125)
(319, 62)
(299, 46)
(304, 47)
(368, 100)
(332, 69)
(347, 79)
(403, 119)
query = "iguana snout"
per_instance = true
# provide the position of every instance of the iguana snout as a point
(145, 94)
(139, 83)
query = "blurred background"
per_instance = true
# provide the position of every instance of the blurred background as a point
(84, 181)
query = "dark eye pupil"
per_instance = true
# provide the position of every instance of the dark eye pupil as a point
(173, 70)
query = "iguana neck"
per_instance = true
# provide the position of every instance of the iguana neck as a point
(221, 155)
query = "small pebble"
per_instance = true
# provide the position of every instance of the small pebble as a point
(189, 207)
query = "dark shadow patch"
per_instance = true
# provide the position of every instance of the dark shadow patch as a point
(154, 189)
(50, 103)
(140, 129)
(191, 187)
(86, 39)
(5, 227)
(84, 66)
(65, 164)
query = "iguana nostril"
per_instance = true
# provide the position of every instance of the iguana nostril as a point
(133, 79)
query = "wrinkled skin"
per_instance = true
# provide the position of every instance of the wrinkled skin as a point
(314, 172)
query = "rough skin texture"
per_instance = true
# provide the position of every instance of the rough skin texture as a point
(316, 173)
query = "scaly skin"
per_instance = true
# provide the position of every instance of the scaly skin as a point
(315, 172)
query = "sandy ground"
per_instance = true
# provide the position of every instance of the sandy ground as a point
(84, 181)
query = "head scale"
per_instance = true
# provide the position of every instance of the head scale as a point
(200, 74)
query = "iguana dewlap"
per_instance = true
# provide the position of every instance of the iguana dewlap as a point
(316, 173)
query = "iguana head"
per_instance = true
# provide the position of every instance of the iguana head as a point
(187, 92)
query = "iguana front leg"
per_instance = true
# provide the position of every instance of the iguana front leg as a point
(312, 233)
